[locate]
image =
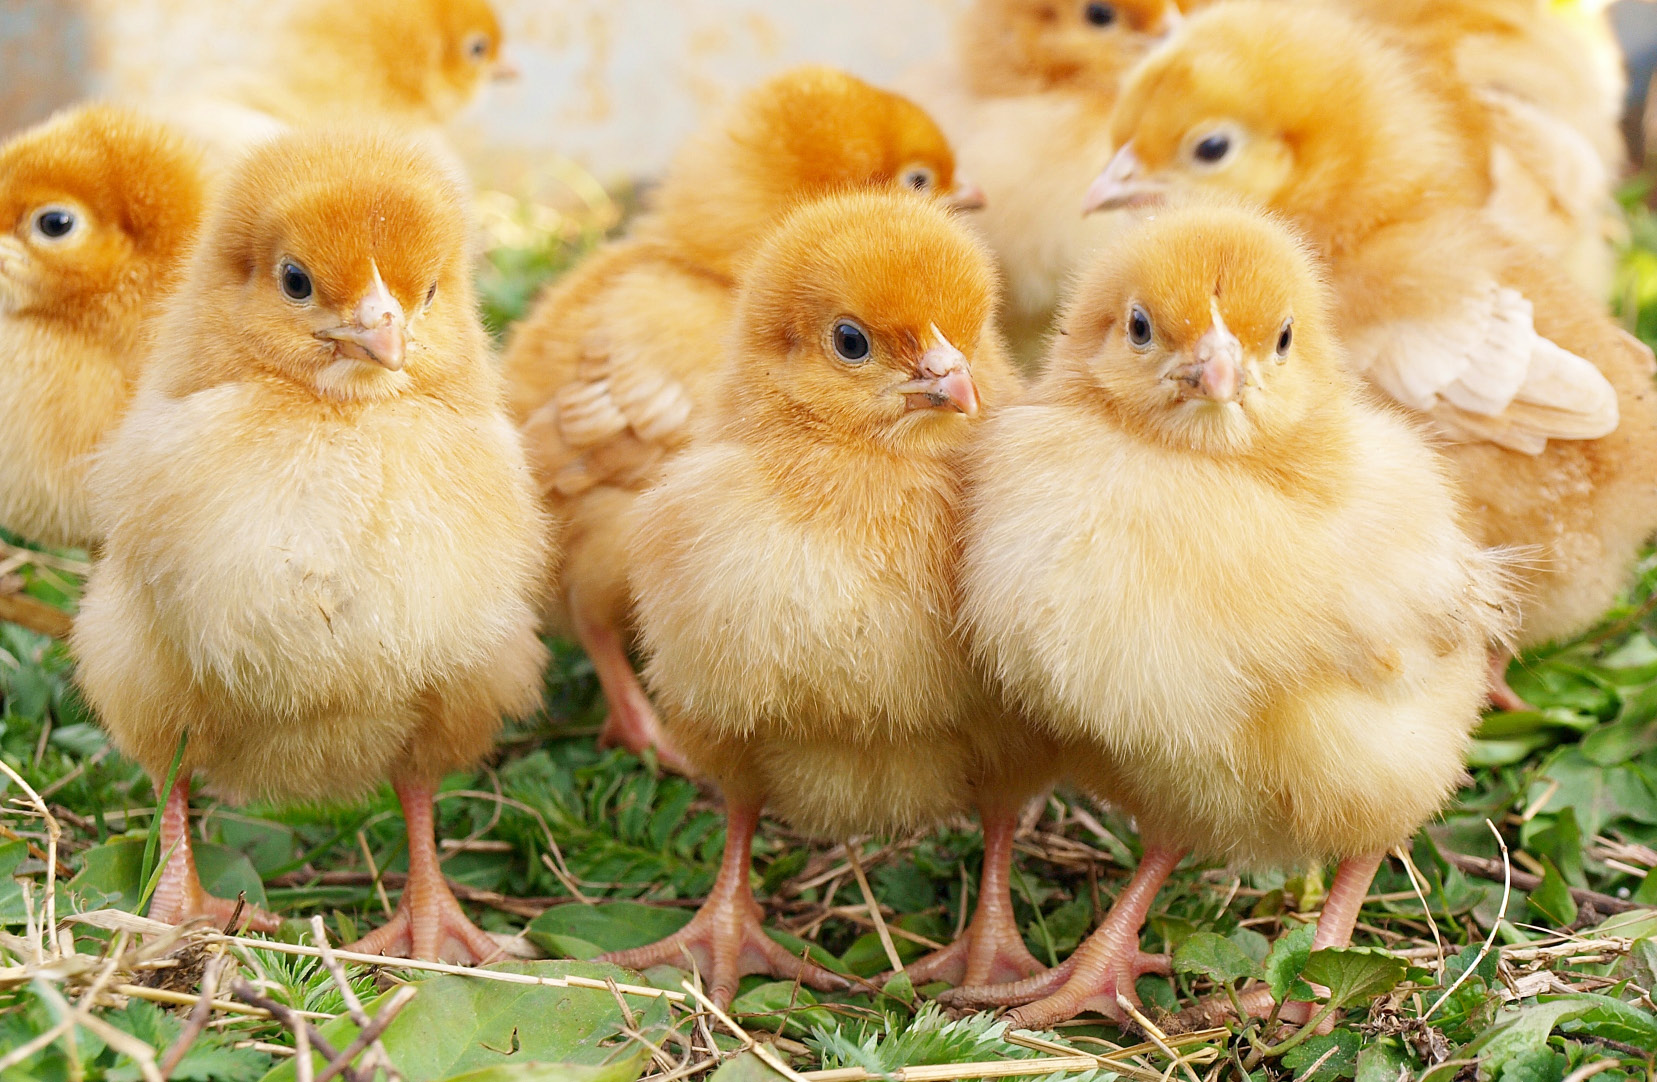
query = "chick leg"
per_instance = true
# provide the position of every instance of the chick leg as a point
(1105, 965)
(726, 939)
(1503, 697)
(179, 894)
(991, 950)
(631, 722)
(429, 923)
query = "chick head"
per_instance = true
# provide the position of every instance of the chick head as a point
(861, 316)
(427, 58)
(814, 130)
(1301, 109)
(339, 261)
(97, 207)
(470, 36)
(1017, 46)
(1206, 328)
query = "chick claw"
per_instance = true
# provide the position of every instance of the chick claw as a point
(179, 905)
(429, 924)
(1042, 985)
(726, 940)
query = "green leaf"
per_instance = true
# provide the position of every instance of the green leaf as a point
(1383, 1062)
(586, 931)
(1520, 1033)
(624, 1070)
(456, 1025)
(1557, 838)
(1337, 1051)
(781, 1007)
(745, 1067)
(1215, 957)
(1354, 974)
(109, 874)
(1600, 795)
(1286, 961)
(1552, 899)
(1612, 1019)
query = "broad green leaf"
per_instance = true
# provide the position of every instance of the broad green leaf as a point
(623, 1070)
(586, 931)
(1535, 1065)
(1215, 957)
(1612, 1019)
(1251, 943)
(1354, 974)
(109, 874)
(1286, 961)
(456, 1025)
(1600, 795)
(745, 1067)
(1611, 745)
(1383, 1061)
(780, 1006)
(1335, 1054)
(1521, 1033)
(1552, 899)
(1557, 838)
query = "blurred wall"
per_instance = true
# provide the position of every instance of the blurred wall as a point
(613, 84)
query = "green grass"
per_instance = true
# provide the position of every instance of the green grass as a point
(583, 851)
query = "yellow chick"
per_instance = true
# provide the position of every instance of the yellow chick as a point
(323, 544)
(1547, 407)
(612, 368)
(98, 208)
(794, 567)
(1198, 542)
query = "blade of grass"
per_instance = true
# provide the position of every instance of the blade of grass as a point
(147, 870)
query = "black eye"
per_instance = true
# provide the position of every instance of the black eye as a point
(851, 343)
(919, 178)
(478, 47)
(54, 223)
(1212, 149)
(431, 295)
(296, 284)
(1286, 337)
(1099, 14)
(1139, 327)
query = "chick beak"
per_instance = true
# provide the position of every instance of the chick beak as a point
(1216, 370)
(504, 71)
(1122, 184)
(943, 380)
(965, 196)
(378, 331)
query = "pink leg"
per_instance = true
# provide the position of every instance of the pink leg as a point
(1503, 697)
(991, 950)
(178, 894)
(429, 924)
(726, 939)
(631, 722)
(1103, 967)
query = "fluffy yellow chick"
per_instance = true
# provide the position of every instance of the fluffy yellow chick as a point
(794, 567)
(1026, 101)
(98, 207)
(609, 372)
(1198, 552)
(323, 544)
(1547, 406)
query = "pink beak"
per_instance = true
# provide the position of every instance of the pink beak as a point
(1216, 371)
(966, 196)
(944, 381)
(378, 331)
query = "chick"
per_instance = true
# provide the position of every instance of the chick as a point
(413, 63)
(794, 567)
(612, 367)
(323, 543)
(1126, 576)
(1026, 101)
(1547, 405)
(98, 207)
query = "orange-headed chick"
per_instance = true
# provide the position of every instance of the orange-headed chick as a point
(794, 567)
(1026, 101)
(98, 209)
(1198, 552)
(412, 63)
(1550, 81)
(323, 547)
(1548, 407)
(611, 369)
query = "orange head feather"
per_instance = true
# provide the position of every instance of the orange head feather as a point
(336, 262)
(1302, 109)
(806, 133)
(98, 207)
(1026, 46)
(862, 316)
(1206, 328)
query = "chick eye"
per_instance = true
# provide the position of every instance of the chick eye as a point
(1139, 327)
(918, 177)
(851, 342)
(1286, 337)
(431, 295)
(55, 223)
(1099, 14)
(296, 284)
(477, 47)
(1212, 149)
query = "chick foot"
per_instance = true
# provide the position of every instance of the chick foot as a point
(1104, 968)
(179, 895)
(726, 939)
(1335, 925)
(1502, 696)
(991, 950)
(429, 924)
(631, 722)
